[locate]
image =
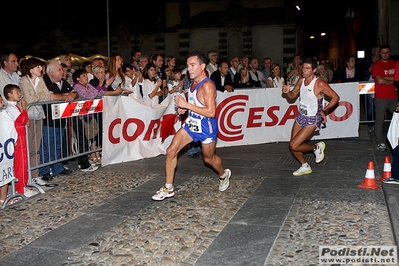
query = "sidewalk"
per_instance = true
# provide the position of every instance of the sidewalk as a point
(266, 217)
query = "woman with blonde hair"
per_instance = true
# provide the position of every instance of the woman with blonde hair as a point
(242, 79)
(275, 79)
(67, 60)
(170, 61)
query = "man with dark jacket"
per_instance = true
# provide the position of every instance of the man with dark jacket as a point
(54, 129)
(222, 78)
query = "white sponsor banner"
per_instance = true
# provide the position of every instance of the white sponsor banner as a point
(8, 136)
(245, 116)
(254, 116)
(132, 129)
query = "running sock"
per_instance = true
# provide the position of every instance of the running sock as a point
(169, 186)
(223, 176)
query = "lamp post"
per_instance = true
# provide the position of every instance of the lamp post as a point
(108, 33)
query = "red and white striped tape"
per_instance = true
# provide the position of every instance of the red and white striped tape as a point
(366, 88)
(63, 110)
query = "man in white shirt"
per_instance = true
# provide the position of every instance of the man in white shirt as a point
(8, 71)
(212, 66)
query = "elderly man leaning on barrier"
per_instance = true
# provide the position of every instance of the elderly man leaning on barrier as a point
(54, 130)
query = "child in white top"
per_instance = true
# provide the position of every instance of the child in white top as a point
(151, 85)
(20, 116)
(133, 79)
(175, 83)
(8, 125)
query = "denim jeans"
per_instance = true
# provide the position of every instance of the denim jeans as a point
(50, 150)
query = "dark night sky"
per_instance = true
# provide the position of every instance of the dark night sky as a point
(88, 18)
(82, 18)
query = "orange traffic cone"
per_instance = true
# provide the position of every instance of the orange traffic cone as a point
(387, 169)
(369, 179)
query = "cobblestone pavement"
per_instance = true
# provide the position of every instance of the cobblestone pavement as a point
(266, 217)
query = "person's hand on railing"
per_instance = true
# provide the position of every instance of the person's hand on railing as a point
(71, 96)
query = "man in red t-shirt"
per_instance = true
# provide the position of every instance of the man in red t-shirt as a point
(397, 72)
(386, 95)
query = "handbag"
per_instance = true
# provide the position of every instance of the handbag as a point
(35, 112)
(90, 128)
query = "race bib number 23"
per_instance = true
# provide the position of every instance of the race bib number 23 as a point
(194, 124)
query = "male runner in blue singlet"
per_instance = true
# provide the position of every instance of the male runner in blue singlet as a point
(311, 91)
(200, 125)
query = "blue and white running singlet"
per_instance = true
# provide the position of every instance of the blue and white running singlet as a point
(199, 127)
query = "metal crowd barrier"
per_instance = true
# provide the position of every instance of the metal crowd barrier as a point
(56, 139)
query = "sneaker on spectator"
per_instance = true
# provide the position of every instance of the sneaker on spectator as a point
(391, 180)
(224, 180)
(29, 192)
(163, 193)
(91, 168)
(319, 151)
(85, 165)
(47, 177)
(65, 172)
(303, 170)
(39, 181)
(381, 147)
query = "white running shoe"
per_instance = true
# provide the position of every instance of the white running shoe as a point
(39, 181)
(381, 147)
(163, 193)
(29, 192)
(89, 169)
(224, 181)
(319, 151)
(303, 170)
